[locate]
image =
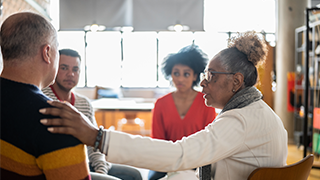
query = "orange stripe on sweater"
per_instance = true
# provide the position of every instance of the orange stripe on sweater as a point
(76, 171)
(19, 168)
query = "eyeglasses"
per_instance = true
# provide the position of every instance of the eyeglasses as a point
(207, 75)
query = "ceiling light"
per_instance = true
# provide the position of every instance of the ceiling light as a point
(127, 29)
(178, 28)
(94, 28)
(123, 29)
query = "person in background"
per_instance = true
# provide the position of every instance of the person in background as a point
(30, 62)
(246, 134)
(67, 78)
(182, 112)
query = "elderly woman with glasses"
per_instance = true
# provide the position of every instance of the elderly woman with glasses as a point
(245, 135)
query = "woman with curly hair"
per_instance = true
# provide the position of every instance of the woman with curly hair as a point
(246, 134)
(182, 112)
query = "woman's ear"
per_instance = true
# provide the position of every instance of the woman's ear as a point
(238, 81)
(45, 53)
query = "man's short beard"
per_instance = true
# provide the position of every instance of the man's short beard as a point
(63, 88)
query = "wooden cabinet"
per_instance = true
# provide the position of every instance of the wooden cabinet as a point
(124, 114)
(125, 120)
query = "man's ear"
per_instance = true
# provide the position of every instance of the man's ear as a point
(45, 53)
(238, 80)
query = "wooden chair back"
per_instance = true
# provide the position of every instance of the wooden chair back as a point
(297, 171)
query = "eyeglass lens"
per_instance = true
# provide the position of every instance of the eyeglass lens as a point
(205, 76)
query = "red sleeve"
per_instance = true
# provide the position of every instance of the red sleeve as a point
(211, 115)
(157, 128)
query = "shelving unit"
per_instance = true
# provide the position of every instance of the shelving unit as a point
(307, 83)
(300, 88)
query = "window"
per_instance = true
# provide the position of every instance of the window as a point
(104, 59)
(139, 59)
(134, 59)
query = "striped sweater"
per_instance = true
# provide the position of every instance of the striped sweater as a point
(96, 159)
(27, 149)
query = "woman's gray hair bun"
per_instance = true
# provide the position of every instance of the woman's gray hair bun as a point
(250, 44)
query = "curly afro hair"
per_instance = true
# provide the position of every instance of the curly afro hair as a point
(190, 56)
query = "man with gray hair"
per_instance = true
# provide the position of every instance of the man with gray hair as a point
(30, 62)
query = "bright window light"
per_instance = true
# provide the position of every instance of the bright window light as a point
(104, 59)
(139, 59)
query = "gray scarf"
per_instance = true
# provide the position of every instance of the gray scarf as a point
(243, 98)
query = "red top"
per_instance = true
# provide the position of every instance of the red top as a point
(167, 123)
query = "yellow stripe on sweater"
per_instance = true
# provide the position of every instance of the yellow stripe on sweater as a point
(62, 157)
(16, 154)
